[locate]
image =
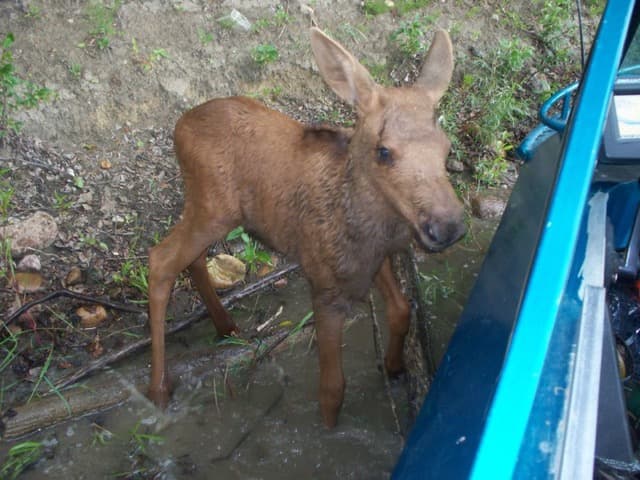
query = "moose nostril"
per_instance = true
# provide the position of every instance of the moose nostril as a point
(432, 233)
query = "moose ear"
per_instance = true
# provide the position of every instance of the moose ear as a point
(438, 67)
(343, 73)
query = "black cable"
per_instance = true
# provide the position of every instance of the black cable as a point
(581, 34)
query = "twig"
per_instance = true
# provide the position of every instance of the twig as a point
(422, 311)
(71, 294)
(282, 337)
(377, 340)
(265, 324)
(174, 327)
(244, 435)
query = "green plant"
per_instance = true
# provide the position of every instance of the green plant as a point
(410, 36)
(61, 201)
(15, 92)
(264, 53)
(101, 436)
(378, 71)
(102, 18)
(490, 108)
(75, 69)
(155, 55)
(556, 26)
(300, 325)
(226, 23)
(7, 192)
(9, 348)
(281, 17)
(204, 36)
(595, 7)
(19, 458)
(33, 12)
(94, 242)
(78, 182)
(159, 53)
(434, 287)
(231, 340)
(252, 255)
(267, 93)
(375, 7)
(405, 6)
(135, 274)
(142, 440)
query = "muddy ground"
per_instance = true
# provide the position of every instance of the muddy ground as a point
(97, 156)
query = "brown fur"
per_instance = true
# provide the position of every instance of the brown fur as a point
(320, 195)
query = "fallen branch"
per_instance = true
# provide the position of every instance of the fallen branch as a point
(71, 294)
(111, 387)
(377, 342)
(199, 313)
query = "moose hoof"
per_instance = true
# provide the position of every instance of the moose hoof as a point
(394, 367)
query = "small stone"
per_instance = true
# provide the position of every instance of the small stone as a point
(540, 83)
(238, 20)
(455, 166)
(27, 282)
(36, 232)
(487, 206)
(74, 277)
(15, 329)
(29, 263)
(91, 315)
(95, 348)
(281, 283)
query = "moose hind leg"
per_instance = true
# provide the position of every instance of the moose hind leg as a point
(220, 317)
(398, 312)
(184, 244)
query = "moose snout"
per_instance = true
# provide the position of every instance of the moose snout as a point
(438, 234)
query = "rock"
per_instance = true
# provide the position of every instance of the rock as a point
(95, 347)
(91, 315)
(237, 19)
(226, 271)
(74, 277)
(487, 206)
(27, 282)
(178, 87)
(540, 83)
(455, 166)
(29, 263)
(283, 282)
(35, 232)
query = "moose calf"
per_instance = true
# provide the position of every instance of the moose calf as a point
(340, 202)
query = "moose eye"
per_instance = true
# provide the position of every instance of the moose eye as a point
(384, 156)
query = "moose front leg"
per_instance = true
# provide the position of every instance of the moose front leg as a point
(398, 312)
(329, 320)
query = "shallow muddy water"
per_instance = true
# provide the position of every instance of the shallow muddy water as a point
(261, 422)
